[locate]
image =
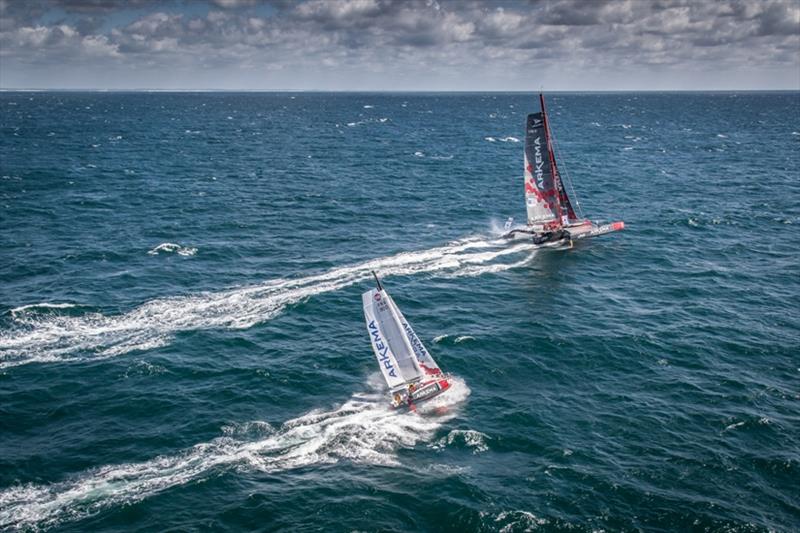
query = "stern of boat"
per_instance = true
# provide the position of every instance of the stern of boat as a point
(588, 228)
(423, 390)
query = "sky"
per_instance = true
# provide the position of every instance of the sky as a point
(393, 45)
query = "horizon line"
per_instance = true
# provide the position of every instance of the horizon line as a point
(210, 90)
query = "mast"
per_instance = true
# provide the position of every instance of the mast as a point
(556, 175)
(377, 280)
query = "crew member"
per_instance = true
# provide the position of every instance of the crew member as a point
(552, 236)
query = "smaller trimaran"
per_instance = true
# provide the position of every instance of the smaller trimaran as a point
(551, 216)
(409, 370)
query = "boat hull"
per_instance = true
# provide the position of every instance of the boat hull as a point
(593, 230)
(423, 391)
(582, 230)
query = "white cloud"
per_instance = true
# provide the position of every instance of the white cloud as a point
(500, 22)
(337, 9)
(232, 4)
(412, 38)
(155, 23)
(99, 46)
(34, 37)
(457, 29)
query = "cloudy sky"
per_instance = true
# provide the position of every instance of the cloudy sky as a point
(400, 45)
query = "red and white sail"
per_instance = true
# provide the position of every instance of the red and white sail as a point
(545, 196)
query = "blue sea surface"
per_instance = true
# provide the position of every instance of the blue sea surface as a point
(182, 343)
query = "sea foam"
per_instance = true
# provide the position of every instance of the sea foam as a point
(35, 337)
(171, 247)
(362, 430)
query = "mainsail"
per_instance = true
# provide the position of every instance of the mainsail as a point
(552, 220)
(545, 197)
(388, 333)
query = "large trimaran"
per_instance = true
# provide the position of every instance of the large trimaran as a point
(406, 365)
(551, 215)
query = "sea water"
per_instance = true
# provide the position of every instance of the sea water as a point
(182, 344)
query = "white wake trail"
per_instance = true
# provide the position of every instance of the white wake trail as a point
(39, 337)
(362, 430)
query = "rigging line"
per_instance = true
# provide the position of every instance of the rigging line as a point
(569, 179)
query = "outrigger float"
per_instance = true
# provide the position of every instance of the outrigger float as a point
(407, 366)
(552, 219)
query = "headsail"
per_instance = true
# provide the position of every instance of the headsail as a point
(424, 360)
(566, 205)
(545, 197)
(389, 339)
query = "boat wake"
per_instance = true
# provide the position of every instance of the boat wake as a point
(40, 334)
(362, 430)
(170, 247)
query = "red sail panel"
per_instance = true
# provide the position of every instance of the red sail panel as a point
(541, 194)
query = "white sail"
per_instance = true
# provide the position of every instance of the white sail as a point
(389, 341)
(424, 360)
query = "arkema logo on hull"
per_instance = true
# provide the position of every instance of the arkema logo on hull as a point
(381, 348)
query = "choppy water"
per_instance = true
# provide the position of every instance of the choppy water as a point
(182, 344)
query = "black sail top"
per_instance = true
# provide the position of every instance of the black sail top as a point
(545, 197)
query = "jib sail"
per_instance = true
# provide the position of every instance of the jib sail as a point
(424, 360)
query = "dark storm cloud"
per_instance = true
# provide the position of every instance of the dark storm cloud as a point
(575, 13)
(99, 6)
(407, 39)
(777, 20)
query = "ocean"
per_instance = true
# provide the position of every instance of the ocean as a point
(183, 348)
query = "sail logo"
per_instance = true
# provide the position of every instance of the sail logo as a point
(539, 160)
(381, 349)
(419, 349)
(421, 352)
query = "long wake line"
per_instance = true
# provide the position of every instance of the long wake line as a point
(362, 430)
(38, 337)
